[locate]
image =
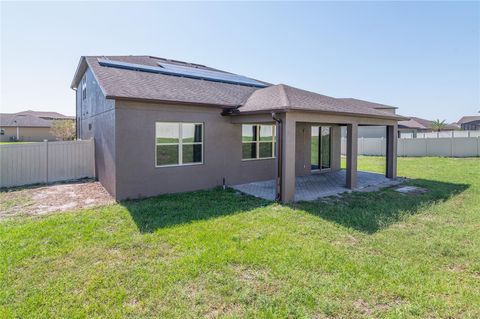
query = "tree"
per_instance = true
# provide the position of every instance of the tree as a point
(438, 125)
(63, 129)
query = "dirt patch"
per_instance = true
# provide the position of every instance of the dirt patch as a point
(413, 190)
(40, 200)
(380, 307)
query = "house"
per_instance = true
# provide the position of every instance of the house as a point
(471, 123)
(28, 126)
(418, 125)
(369, 131)
(166, 126)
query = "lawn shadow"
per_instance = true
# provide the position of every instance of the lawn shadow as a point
(371, 212)
(169, 210)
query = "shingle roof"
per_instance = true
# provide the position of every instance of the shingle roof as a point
(358, 102)
(49, 115)
(282, 97)
(419, 123)
(117, 83)
(466, 119)
(411, 123)
(129, 84)
(13, 120)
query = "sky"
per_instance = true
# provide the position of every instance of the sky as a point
(422, 57)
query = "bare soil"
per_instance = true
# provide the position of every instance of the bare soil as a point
(40, 200)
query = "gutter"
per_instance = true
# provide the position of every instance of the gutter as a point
(172, 102)
(279, 159)
(396, 117)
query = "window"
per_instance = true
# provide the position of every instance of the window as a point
(84, 88)
(258, 141)
(178, 143)
(2, 131)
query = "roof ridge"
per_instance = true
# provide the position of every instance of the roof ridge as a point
(285, 99)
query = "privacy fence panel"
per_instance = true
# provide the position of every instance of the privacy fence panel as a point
(440, 134)
(447, 147)
(45, 162)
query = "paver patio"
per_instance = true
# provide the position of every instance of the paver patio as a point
(315, 186)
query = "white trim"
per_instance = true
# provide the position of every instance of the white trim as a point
(180, 144)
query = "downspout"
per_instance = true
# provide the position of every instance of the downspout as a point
(279, 158)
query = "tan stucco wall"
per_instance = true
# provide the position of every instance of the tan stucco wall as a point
(136, 174)
(336, 148)
(96, 119)
(302, 151)
(303, 147)
(28, 134)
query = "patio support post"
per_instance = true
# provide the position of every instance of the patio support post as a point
(352, 150)
(336, 151)
(288, 159)
(391, 158)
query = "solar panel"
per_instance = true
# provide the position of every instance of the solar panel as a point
(184, 71)
(210, 75)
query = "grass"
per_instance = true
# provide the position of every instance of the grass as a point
(221, 254)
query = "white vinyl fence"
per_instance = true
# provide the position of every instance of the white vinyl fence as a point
(441, 134)
(46, 162)
(447, 147)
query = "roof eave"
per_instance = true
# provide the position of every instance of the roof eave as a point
(146, 100)
(386, 108)
(81, 68)
(292, 109)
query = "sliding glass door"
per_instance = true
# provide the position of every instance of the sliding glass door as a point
(320, 147)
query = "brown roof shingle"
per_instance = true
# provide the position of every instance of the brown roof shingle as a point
(46, 115)
(117, 83)
(466, 119)
(13, 120)
(282, 97)
(419, 123)
(129, 84)
(358, 102)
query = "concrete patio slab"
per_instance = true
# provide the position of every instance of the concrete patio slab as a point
(312, 187)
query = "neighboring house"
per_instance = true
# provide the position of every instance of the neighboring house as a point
(471, 123)
(46, 115)
(28, 126)
(418, 125)
(166, 126)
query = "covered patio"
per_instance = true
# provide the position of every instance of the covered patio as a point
(308, 140)
(312, 187)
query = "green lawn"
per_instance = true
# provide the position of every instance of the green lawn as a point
(221, 254)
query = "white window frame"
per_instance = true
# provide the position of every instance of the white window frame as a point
(257, 142)
(180, 144)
